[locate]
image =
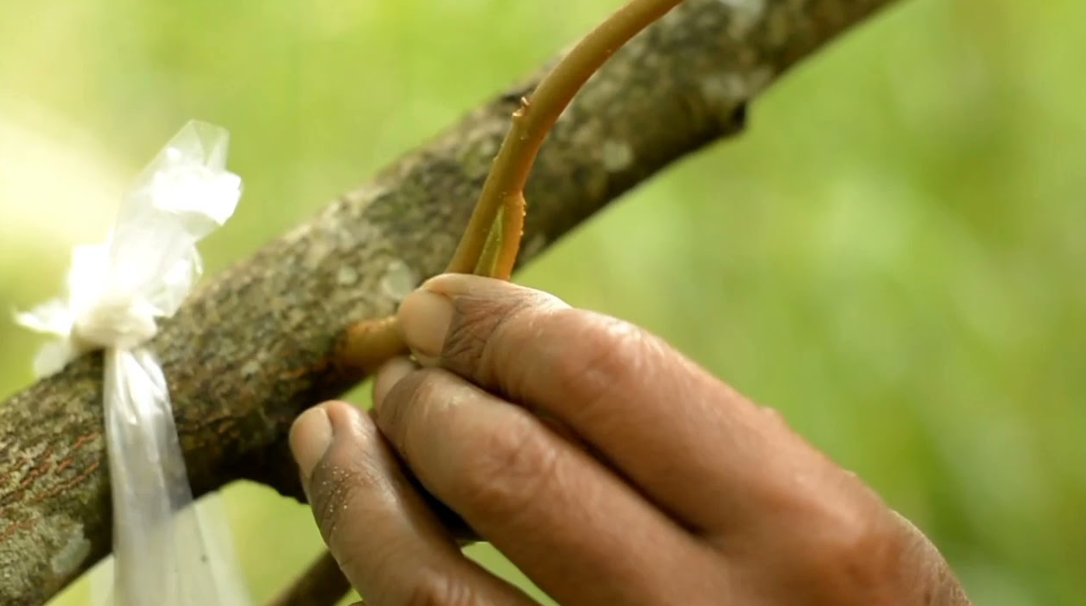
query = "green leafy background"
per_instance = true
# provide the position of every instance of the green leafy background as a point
(892, 254)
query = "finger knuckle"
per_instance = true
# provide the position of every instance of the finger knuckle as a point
(428, 386)
(412, 396)
(856, 554)
(607, 353)
(504, 473)
(440, 590)
(483, 327)
(475, 321)
(773, 417)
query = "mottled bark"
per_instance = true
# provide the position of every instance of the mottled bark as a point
(257, 344)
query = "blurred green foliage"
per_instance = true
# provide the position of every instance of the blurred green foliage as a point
(892, 254)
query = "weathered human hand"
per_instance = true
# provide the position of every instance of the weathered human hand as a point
(604, 464)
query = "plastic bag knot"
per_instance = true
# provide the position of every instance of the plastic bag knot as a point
(118, 289)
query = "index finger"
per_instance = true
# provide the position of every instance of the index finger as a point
(659, 418)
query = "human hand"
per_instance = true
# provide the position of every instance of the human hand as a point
(623, 473)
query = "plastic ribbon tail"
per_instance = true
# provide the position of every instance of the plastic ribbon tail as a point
(168, 550)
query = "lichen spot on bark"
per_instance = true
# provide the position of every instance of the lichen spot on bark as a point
(745, 15)
(398, 280)
(346, 275)
(250, 368)
(617, 156)
(72, 553)
(723, 89)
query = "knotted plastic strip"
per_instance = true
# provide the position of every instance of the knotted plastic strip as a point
(168, 550)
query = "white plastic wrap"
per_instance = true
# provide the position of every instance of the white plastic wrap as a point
(168, 551)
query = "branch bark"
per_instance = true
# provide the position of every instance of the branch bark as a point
(322, 584)
(258, 343)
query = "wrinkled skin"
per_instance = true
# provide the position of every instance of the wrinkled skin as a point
(608, 467)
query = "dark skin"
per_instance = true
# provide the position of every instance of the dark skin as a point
(604, 464)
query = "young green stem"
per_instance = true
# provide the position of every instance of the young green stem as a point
(490, 243)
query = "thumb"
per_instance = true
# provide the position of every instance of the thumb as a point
(444, 320)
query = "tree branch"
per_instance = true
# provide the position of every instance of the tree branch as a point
(322, 584)
(258, 343)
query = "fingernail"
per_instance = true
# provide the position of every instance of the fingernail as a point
(310, 437)
(425, 317)
(387, 378)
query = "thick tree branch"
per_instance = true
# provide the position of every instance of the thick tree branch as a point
(258, 343)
